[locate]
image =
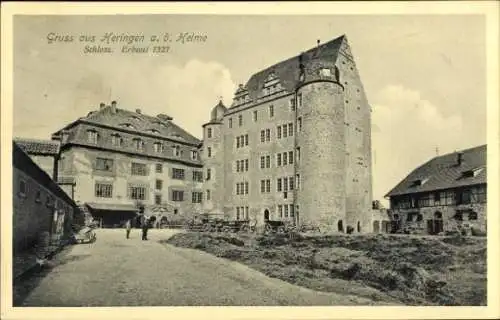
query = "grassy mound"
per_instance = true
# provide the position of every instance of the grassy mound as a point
(390, 268)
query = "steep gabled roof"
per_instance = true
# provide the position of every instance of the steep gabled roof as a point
(38, 147)
(142, 124)
(444, 172)
(287, 71)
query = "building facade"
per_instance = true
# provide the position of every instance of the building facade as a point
(40, 205)
(295, 144)
(447, 193)
(120, 159)
(44, 153)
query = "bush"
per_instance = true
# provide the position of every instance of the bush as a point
(349, 230)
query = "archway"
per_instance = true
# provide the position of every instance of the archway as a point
(376, 226)
(359, 226)
(340, 226)
(266, 215)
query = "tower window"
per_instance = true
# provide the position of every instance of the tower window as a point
(271, 111)
(230, 123)
(255, 116)
(209, 132)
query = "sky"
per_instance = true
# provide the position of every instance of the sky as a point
(424, 75)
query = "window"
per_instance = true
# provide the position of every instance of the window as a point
(290, 157)
(237, 213)
(238, 189)
(262, 135)
(103, 190)
(278, 132)
(194, 155)
(298, 154)
(139, 169)
(38, 196)
(255, 116)
(177, 195)
(246, 164)
(209, 132)
(271, 111)
(158, 147)
(297, 181)
(299, 123)
(285, 160)
(237, 142)
(246, 139)
(177, 174)
(116, 140)
(237, 165)
(159, 184)
(291, 103)
(176, 150)
(268, 134)
(285, 184)
(138, 144)
(103, 164)
(159, 168)
(286, 211)
(240, 120)
(268, 161)
(325, 72)
(292, 213)
(279, 186)
(299, 100)
(290, 129)
(208, 195)
(23, 190)
(290, 181)
(158, 199)
(284, 131)
(137, 192)
(92, 136)
(268, 185)
(262, 162)
(278, 160)
(464, 196)
(262, 186)
(230, 123)
(479, 194)
(209, 152)
(280, 210)
(246, 213)
(196, 196)
(209, 174)
(198, 176)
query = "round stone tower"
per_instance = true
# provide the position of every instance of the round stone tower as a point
(320, 146)
(213, 161)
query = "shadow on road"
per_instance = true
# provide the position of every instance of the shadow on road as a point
(24, 284)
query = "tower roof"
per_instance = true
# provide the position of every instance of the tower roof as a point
(287, 71)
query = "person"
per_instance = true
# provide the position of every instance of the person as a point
(128, 226)
(144, 223)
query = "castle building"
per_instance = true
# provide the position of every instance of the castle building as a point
(294, 145)
(120, 159)
(443, 194)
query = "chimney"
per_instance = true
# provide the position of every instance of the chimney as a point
(102, 105)
(138, 111)
(318, 42)
(113, 106)
(460, 158)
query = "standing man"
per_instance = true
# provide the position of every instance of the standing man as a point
(144, 223)
(128, 226)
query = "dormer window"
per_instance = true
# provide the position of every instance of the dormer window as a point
(92, 136)
(154, 131)
(139, 144)
(194, 155)
(116, 140)
(325, 72)
(127, 125)
(419, 182)
(158, 147)
(472, 173)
